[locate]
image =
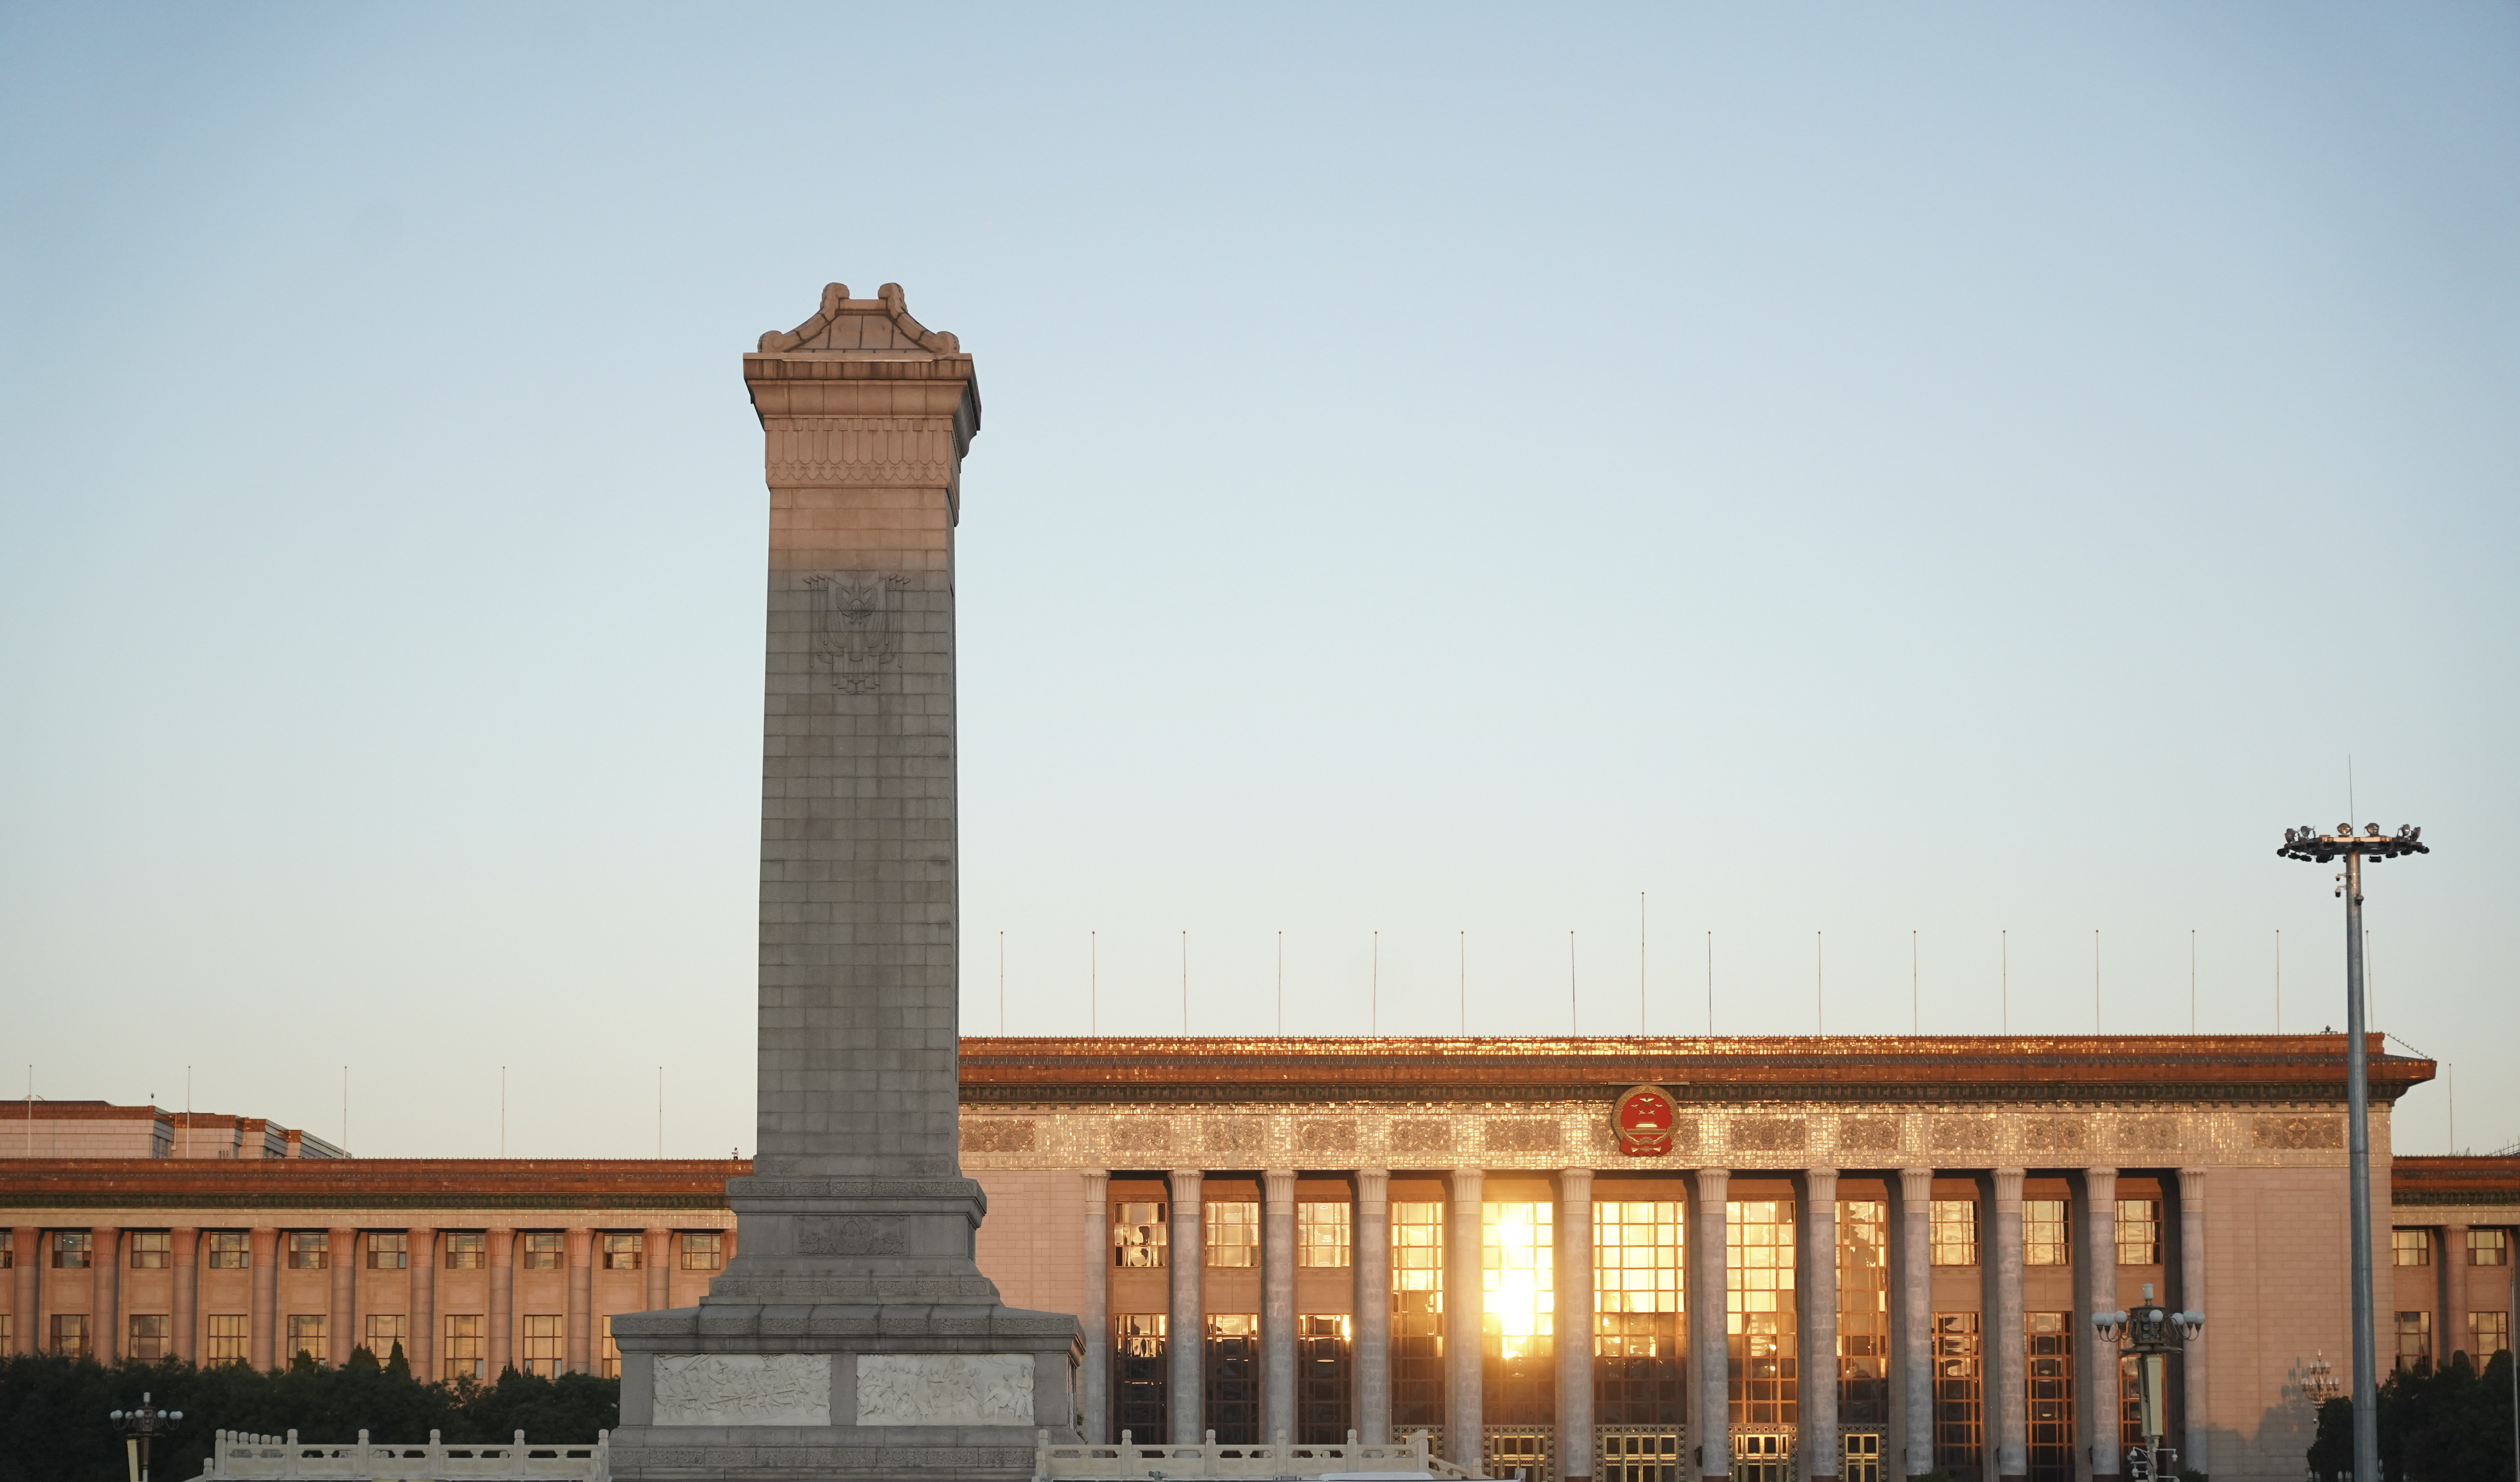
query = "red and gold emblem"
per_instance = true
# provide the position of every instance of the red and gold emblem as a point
(1643, 1116)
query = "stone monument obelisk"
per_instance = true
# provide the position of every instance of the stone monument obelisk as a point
(852, 1336)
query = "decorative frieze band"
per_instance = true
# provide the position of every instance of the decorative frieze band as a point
(917, 451)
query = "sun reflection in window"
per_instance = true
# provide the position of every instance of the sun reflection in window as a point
(1520, 1238)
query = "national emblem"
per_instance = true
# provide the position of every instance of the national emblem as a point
(1644, 1118)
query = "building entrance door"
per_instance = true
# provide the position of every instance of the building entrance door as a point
(1527, 1452)
(1861, 1457)
(1636, 1454)
(1764, 1456)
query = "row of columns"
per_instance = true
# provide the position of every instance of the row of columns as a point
(2003, 1351)
(104, 1309)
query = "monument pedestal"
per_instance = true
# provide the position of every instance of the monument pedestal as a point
(853, 1335)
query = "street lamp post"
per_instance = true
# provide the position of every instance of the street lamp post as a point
(2310, 846)
(2153, 1335)
(139, 1428)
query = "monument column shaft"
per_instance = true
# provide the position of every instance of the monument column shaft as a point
(1185, 1331)
(1464, 1298)
(2007, 1353)
(2099, 1421)
(1815, 1323)
(2191, 1298)
(1277, 1307)
(1573, 1323)
(1370, 1241)
(1095, 1378)
(1710, 1360)
(1915, 1313)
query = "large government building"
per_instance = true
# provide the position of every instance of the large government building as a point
(1860, 1256)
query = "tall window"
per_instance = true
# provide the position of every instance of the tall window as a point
(2139, 1232)
(2411, 1247)
(150, 1249)
(1955, 1232)
(225, 1338)
(544, 1249)
(1233, 1377)
(608, 1363)
(1417, 1315)
(70, 1336)
(2051, 1395)
(2489, 1247)
(1759, 1315)
(466, 1250)
(309, 1249)
(1322, 1415)
(229, 1250)
(306, 1335)
(1863, 1312)
(1140, 1231)
(1321, 1240)
(464, 1350)
(8, 1332)
(388, 1250)
(1233, 1234)
(1518, 1239)
(543, 1339)
(147, 1340)
(73, 1250)
(704, 1250)
(1636, 1292)
(621, 1252)
(2044, 1238)
(2488, 1334)
(385, 1333)
(1958, 1439)
(2415, 1338)
(1139, 1377)
(8, 1248)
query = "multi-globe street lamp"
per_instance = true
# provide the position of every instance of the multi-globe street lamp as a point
(139, 1428)
(2311, 846)
(2151, 1335)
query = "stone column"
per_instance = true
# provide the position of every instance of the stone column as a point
(1915, 1318)
(184, 1252)
(2008, 1378)
(262, 1253)
(1370, 1250)
(1094, 1377)
(2096, 1366)
(580, 1244)
(1186, 1335)
(2193, 1362)
(1710, 1360)
(1572, 1324)
(421, 1345)
(104, 1292)
(502, 1320)
(1278, 1306)
(27, 1241)
(1815, 1325)
(657, 1258)
(341, 1314)
(1464, 1303)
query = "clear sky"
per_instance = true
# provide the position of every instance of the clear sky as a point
(1960, 478)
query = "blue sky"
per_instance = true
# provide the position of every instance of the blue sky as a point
(1901, 490)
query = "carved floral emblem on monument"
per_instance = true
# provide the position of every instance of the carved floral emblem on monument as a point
(852, 626)
(1644, 1118)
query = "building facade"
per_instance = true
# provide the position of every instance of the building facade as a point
(1856, 1258)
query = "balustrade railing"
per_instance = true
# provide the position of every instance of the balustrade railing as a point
(1133, 1460)
(247, 1457)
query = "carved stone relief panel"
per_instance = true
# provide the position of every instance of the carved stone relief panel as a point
(743, 1389)
(944, 1389)
(1000, 1134)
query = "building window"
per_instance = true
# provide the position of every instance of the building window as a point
(8, 1332)
(388, 1250)
(1863, 1312)
(1139, 1234)
(2415, 1340)
(150, 1249)
(542, 1340)
(70, 1336)
(307, 1336)
(310, 1250)
(2044, 1240)
(2489, 1247)
(1759, 1317)
(1636, 1292)
(1139, 1377)
(1955, 1232)
(1322, 1235)
(460, 1356)
(2411, 1247)
(228, 1251)
(385, 1333)
(1517, 1256)
(8, 1249)
(1233, 1234)
(73, 1250)
(621, 1252)
(704, 1250)
(1322, 1377)
(544, 1250)
(225, 1338)
(1417, 1315)
(466, 1250)
(2139, 1232)
(148, 1341)
(2050, 1338)
(2488, 1334)
(1233, 1377)
(610, 1361)
(1958, 1439)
